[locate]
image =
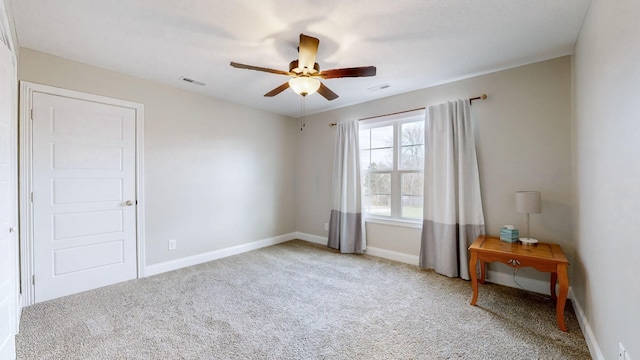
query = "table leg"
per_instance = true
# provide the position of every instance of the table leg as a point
(473, 271)
(554, 281)
(483, 271)
(562, 295)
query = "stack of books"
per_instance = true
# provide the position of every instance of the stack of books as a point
(509, 235)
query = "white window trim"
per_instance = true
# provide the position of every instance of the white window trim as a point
(402, 222)
(396, 203)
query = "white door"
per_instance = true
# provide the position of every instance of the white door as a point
(84, 218)
(8, 207)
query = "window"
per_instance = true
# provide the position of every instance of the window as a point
(391, 162)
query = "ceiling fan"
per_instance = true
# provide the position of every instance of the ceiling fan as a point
(305, 72)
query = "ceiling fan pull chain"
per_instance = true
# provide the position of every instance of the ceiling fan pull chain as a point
(304, 112)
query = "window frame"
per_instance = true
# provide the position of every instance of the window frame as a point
(396, 121)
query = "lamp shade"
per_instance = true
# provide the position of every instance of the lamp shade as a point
(528, 202)
(304, 85)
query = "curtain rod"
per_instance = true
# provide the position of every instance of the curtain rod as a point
(481, 97)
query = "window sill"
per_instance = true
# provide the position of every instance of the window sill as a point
(416, 224)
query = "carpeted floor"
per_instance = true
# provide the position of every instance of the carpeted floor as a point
(298, 301)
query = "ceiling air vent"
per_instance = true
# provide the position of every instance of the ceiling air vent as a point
(379, 87)
(192, 81)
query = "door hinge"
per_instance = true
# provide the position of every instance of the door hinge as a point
(31, 115)
(33, 279)
(32, 196)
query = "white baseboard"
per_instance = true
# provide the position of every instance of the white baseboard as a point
(214, 255)
(311, 238)
(594, 349)
(373, 251)
(393, 255)
(534, 285)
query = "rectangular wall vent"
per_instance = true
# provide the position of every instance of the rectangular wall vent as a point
(192, 81)
(379, 87)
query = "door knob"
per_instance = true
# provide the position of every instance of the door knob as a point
(128, 203)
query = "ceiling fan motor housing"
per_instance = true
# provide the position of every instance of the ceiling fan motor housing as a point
(294, 68)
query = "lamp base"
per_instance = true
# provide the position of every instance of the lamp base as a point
(528, 241)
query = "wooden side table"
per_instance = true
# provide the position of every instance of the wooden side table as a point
(542, 257)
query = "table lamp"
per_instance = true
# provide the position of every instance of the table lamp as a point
(528, 202)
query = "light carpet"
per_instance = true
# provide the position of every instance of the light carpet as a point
(298, 300)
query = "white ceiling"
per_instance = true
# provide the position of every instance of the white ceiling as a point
(413, 43)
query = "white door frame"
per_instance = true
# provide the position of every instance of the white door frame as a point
(26, 181)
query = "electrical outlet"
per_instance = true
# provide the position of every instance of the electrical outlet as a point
(172, 244)
(326, 226)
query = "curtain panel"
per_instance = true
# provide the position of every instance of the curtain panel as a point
(346, 226)
(453, 215)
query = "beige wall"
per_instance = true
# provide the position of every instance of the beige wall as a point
(523, 142)
(217, 174)
(607, 174)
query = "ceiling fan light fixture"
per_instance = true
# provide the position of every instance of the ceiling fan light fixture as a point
(305, 72)
(304, 85)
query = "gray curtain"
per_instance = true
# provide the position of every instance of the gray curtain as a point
(346, 228)
(453, 215)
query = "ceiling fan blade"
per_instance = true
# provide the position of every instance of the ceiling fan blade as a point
(348, 72)
(277, 90)
(257, 68)
(327, 93)
(307, 51)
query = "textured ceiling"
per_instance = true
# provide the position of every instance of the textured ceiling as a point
(413, 43)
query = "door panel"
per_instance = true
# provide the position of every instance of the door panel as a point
(87, 223)
(8, 207)
(74, 259)
(84, 231)
(67, 191)
(85, 157)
